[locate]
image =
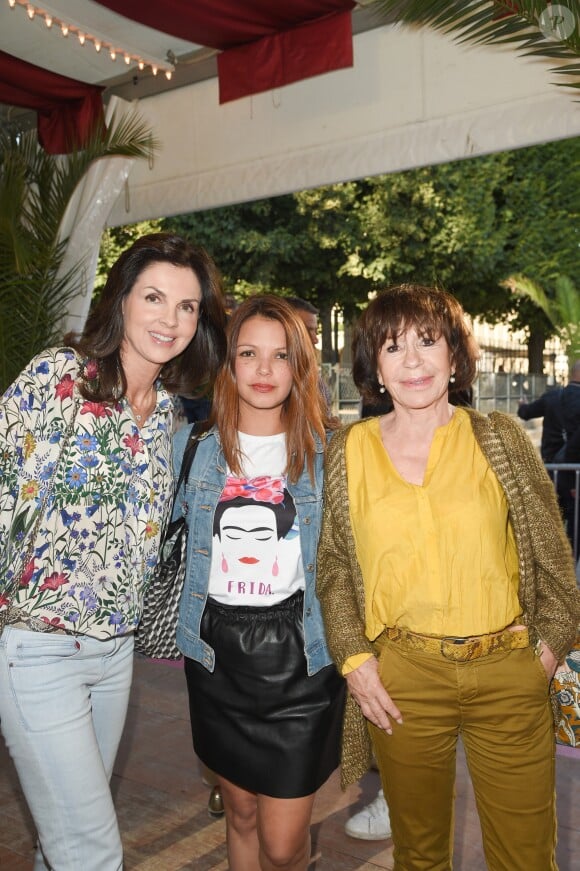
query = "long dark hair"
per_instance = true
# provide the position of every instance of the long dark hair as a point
(103, 334)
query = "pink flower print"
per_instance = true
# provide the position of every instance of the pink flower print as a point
(64, 389)
(55, 621)
(134, 443)
(91, 370)
(268, 494)
(97, 409)
(261, 489)
(260, 481)
(54, 581)
(27, 573)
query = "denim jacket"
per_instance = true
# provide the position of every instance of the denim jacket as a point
(197, 501)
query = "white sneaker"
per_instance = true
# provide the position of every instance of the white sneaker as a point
(372, 823)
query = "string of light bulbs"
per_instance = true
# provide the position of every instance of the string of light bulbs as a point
(98, 42)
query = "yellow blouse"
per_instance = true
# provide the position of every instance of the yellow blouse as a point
(438, 558)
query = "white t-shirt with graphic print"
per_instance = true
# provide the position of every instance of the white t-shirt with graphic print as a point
(256, 558)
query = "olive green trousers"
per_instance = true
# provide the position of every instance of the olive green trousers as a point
(499, 706)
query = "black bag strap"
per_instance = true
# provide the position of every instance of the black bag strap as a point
(199, 427)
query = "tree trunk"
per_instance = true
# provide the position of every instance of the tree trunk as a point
(327, 353)
(536, 351)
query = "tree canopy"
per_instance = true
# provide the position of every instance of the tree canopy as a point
(466, 226)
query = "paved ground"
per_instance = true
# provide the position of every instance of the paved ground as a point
(161, 800)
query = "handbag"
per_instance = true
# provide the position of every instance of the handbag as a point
(566, 693)
(10, 592)
(155, 634)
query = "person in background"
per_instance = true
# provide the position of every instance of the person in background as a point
(441, 635)
(66, 653)
(548, 406)
(265, 698)
(308, 314)
(570, 453)
(571, 401)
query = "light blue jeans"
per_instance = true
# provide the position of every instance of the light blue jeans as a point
(63, 702)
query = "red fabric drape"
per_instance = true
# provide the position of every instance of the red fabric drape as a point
(273, 61)
(225, 23)
(265, 44)
(68, 111)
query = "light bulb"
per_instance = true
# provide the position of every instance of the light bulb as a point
(98, 44)
(82, 38)
(48, 20)
(31, 12)
(168, 75)
(12, 3)
(64, 29)
(154, 70)
(127, 59)
(141, 64)
(113, 54)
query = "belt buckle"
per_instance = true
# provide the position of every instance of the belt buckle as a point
(455, 649)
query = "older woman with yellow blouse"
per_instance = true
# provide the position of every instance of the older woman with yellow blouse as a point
(448, 593)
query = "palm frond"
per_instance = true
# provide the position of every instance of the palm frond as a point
(507, 22)
(35, 189)
(520, 285)
(562, 309)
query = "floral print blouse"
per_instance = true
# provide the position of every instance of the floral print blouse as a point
(97, 543)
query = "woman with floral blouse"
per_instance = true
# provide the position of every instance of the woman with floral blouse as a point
(85, 443)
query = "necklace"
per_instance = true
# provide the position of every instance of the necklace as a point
(146, 406)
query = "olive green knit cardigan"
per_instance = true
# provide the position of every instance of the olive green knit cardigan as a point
(548, 593)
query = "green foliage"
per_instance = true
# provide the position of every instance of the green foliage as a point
(562, 309)
(507, 22)
(113, 242)
(466, 226)
(35, 189)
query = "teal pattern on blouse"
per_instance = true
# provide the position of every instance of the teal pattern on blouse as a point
(98, 542)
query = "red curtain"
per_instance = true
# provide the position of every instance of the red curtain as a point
(69, 112)
(315, 48)
(265, 44)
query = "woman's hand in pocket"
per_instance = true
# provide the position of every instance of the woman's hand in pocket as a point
(366, 688)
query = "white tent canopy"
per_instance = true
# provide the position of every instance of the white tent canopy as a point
(413, 97)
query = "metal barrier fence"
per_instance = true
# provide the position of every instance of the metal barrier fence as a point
(500, 391)
(571, 503)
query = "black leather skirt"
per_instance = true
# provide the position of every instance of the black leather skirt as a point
(258, 719)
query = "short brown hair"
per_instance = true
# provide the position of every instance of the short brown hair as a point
(432, 312)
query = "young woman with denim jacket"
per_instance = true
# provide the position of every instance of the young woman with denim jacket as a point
(265, 699)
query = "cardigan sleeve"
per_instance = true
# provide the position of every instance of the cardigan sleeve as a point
(548, 592)
(339, 583)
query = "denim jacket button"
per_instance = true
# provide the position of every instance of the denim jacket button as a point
(307, 521)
